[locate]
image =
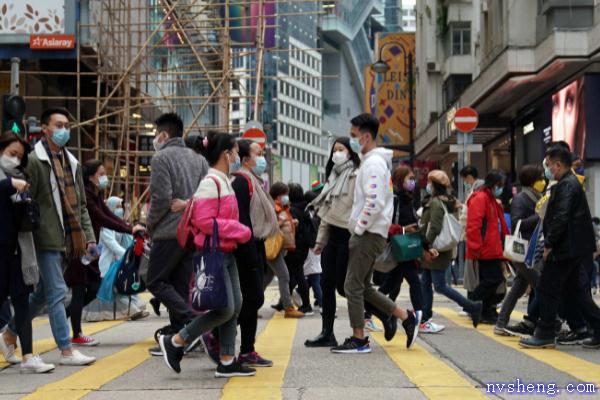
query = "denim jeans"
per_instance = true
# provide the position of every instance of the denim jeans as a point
(437, 278)
(225, 319)
(314, 281)
(51, 292)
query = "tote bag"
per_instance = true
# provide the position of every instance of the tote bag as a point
(450, 234)
(406, 247)
(208, 291)
(515, 247)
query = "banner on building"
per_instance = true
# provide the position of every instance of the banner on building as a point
(244, 21)
(387, 95)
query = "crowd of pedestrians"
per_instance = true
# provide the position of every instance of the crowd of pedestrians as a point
(333, 239)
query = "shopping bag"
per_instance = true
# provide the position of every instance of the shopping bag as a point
(208, 291)
(515, 247)
(406, 247)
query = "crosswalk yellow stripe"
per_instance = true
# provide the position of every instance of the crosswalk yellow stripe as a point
(274, 343)
(91, 378)
(581, 369)
(433, 377)
(37, 322)
(45, 345)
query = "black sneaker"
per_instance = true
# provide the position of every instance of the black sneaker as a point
(171, 354)
(476, 314)
(522, 329)
(155, 303)
(234, 369)
(390, 326)
(307, 310)
(411, 327)
(591, 343)
(155, 351)
(325, 339)
(353, 345)
(572, 338)
(537, 343)
(277, 307)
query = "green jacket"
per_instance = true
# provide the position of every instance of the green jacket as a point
(432, 222)
(50, 236)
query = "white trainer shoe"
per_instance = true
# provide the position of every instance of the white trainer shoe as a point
(76, 359)
(8, 351)
(431, 327)
(35, 365)
(372, 326)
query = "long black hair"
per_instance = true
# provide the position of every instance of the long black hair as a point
(89, 169)
(215, 144)
(345, 141)
(8, 138)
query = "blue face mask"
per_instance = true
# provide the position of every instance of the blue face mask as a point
(261, 166)
(119, 212)
(61, 137)
(103, 182)
(355, 145)
(235, 166)
(548, 174)
(468, 187)
(429, 189)
(498, 190)
(285, 200)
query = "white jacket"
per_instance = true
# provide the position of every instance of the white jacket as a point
(373, 206)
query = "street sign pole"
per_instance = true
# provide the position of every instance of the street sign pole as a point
(14, 75)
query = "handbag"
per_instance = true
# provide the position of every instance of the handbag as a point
(208, 291)
(385, 261)
(450, 234)
(515, 247)
(185, 228)
(406, 247)
(273, 246)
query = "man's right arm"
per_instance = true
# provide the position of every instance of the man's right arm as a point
(161, 193)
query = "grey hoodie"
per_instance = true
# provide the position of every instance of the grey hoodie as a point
(176, 174)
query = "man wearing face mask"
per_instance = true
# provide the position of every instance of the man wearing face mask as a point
(568, 240)
(370, 220)
(176, 174)
(66, 231)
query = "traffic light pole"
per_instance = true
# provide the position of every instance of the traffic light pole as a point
(14, 75)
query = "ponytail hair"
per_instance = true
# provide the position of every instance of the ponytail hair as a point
(214, 144)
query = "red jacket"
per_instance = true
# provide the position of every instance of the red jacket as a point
(486, 227)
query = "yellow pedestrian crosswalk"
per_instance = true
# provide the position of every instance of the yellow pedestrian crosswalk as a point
(430, 372)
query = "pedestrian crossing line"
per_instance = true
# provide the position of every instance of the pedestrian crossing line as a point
(581, 369)
(48, 344)
(433, 377)
(89, 379)
(274, 343)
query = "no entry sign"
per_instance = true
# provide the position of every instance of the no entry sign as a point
(254, 131)
(466, 119)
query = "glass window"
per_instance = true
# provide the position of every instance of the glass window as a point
(460, 38)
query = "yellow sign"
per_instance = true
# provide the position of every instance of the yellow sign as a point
(387, 95)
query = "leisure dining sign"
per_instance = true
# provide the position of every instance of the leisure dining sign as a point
(51, 42)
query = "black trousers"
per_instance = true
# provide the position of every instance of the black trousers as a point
(569, 310)
(169, 272)
(253, 298)
(11, 284)
(334, 262)
(296, 270)
(490, 277)
(564, 279)
(393, 280)
(82, 295)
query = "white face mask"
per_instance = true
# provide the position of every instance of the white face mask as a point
(339, 157)
(9, 164)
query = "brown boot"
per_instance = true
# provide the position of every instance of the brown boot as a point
(293, 313)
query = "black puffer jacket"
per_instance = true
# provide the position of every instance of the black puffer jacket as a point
(522, 209)
(568, 228)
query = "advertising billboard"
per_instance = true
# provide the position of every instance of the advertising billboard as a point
(387, 95)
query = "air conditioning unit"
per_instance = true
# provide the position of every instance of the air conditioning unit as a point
(432, 67)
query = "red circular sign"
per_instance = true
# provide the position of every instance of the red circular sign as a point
(466, 119)
(257, 136)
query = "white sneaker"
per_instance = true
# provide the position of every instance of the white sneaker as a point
(463, 313)
(431, 327)
(8, 351)
(76, 359)
(371, 326)
(35, 365)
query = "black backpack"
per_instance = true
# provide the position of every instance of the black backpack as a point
(129, 281)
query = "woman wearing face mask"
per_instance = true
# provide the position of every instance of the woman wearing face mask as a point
(523, 211)
(114, 246)
(486, 228)
(84, 280)
(287, 224)
(434, 271)
(215, 202)
(18, 269)
(257, 212)
(334, 206)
